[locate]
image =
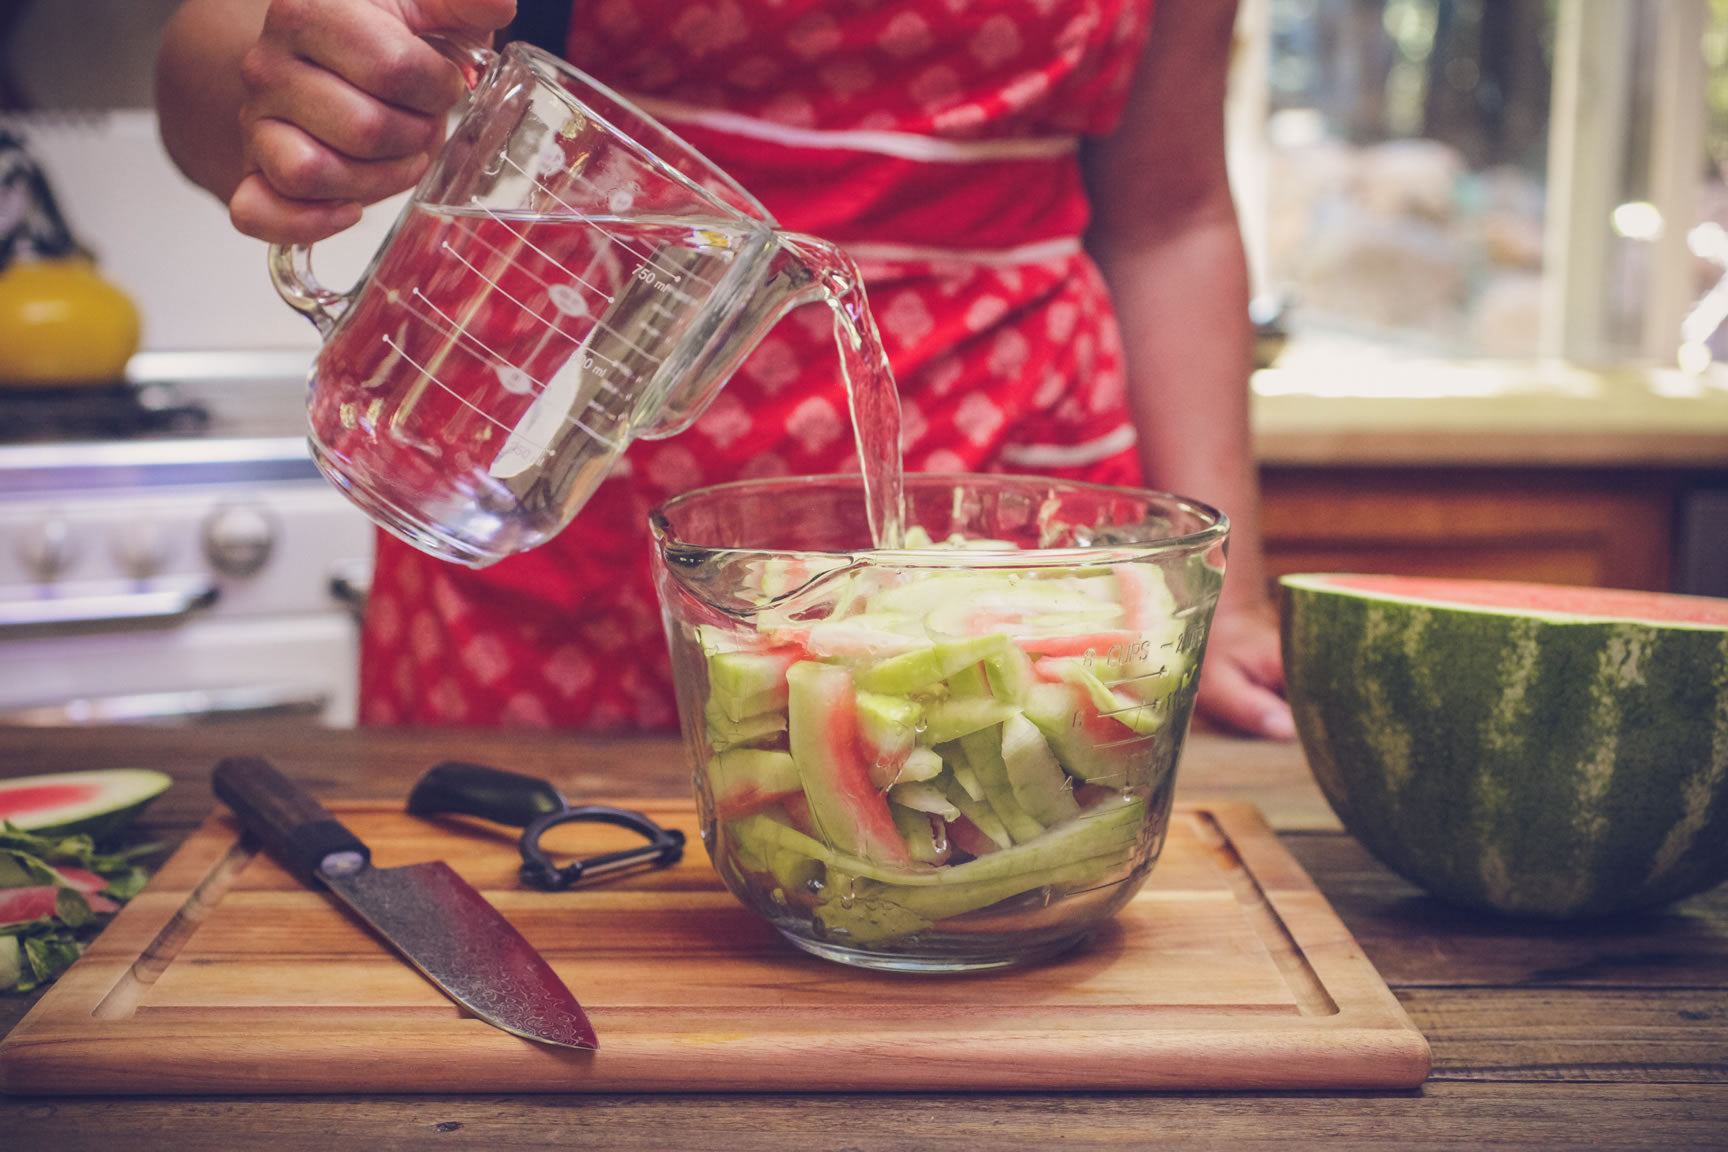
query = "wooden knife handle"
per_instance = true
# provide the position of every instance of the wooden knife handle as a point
(293, 826)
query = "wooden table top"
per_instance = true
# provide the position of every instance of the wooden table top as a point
(1612, 1034)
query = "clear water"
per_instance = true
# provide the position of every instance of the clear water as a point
(870, 387)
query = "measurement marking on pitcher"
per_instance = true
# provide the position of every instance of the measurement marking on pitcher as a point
(609, 441)
(460, 332)
(645, 275)
(588, 354)
(646, 258)
(575, 212)
(675, 276)
(600, 324)
(510, 259)
(601, 436)
(534, 275)
(459, 398)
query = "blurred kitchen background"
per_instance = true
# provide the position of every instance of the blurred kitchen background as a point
(1489, 241)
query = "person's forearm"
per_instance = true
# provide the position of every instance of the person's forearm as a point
(1182, 302)
(198, 89)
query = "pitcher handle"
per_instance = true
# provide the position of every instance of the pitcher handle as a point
(291, 264)
(291, 272)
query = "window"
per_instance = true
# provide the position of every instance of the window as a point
(1486, 194)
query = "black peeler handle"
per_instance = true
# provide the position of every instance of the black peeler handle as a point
(489, 793)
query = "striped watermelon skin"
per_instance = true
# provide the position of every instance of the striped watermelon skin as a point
(1515, 760)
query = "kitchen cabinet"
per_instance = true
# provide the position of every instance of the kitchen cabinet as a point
(1586, 481)
(1607, 527)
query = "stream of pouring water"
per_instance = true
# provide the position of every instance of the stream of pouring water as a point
(870, 389)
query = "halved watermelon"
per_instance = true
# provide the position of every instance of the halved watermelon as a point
(1525, 748)
(96, 803)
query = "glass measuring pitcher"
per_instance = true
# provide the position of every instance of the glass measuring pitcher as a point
(567, 276)
(950, 756)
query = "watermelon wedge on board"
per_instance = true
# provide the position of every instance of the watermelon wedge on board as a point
(94, 803)
(1528, 749)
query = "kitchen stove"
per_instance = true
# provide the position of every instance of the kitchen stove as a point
(185, 566)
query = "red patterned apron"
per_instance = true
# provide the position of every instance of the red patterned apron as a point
(937, 143)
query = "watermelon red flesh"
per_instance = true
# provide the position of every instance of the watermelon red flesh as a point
(845, 803)
(82, 879)
(21, 905)
(747, 780)
(1528, 749)
(1084, 644)
(1542, 599)
(33, 798)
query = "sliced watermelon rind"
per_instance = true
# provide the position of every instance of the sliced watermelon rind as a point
(917, 677)
(95, 803)
(1519, 762)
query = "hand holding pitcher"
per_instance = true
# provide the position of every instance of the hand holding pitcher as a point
(344, 104)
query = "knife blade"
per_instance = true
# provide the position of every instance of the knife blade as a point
(426, 912)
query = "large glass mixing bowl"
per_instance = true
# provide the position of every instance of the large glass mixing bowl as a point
(953, 755)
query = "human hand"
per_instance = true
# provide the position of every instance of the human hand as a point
(345, 105)
(1242, 680)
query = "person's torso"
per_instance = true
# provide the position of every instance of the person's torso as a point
(954, 69)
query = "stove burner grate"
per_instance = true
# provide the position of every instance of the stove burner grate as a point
(98, 412)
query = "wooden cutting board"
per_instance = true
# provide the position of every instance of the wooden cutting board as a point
(1228, 970)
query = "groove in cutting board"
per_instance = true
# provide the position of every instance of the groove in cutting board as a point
(1311, 995)
(122, 999)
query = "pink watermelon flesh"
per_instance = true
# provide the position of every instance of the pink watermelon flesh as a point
(18, 802)
(844, 802)
(1559, 599)
(21, 905)
(82, 879)
(1078, 645)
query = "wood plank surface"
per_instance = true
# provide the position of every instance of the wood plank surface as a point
(1227, 970)
(1608, 528)
(1561, 1035)
(1543, 1037)
(1416, 941)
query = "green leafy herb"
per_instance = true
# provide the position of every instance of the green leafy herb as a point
(36, 948)
(51, 953)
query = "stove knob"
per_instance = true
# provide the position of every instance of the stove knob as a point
(47, 548)
(140, 549)
(238, 538)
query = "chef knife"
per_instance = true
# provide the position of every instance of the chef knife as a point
(428, 913)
